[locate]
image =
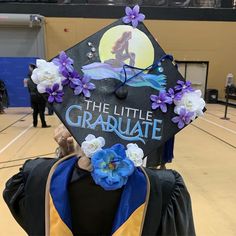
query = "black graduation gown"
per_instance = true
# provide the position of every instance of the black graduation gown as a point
(168, 213)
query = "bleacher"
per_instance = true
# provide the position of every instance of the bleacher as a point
(160, 3)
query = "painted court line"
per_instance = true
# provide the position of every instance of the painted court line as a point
(17, 137)
(211, 122)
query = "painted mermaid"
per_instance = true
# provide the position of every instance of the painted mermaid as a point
(113, 68)
(121, 51)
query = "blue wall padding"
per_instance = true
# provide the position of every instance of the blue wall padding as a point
(13, 70)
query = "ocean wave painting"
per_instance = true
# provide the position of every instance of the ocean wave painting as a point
(135, 77)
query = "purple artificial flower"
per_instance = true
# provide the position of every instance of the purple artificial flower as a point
(184, 87)
(183, 118)
(55, 94)
(72, 78)
(133, 16)
(160, 101)
(64, 62)
(84, 86)
(171, 93)
(174, 96)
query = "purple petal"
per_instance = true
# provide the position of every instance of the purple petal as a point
(168, 100)
(51, 99)
(178, 96)
(182, 112)
(69, 61)
(136, 10)
(58, 99)
(175, 119)
(126, 19)
(190, 89)
(69, 67)
(141, 17)
(85, 79)
(171, 91)
(188, 83)
(78, 90)
(187, 120)
(135, 22)
(73, 85)
(91, 86)
(180, 124)
(65, 73)
(128, 11)
(65, 82)
(63, 70)
(155, 106)
(62, 56)
(163, 108)
(191, 114)
(74, 74)
(162, 95)
(78, 82)
(60, 93)
(180, 82)
(56, 61)
(55, 87)
(188, 117)
(178, 87)
(86, 93)
(153, 98)
(48, 90)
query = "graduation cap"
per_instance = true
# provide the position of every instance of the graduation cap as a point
(119, 84)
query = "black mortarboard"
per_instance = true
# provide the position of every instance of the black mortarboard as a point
(132, 88)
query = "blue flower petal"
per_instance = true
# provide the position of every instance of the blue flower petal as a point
(109, 155)
(113, 177)
(126, 168)
(111, 167)
(119, 149)
(102, 173)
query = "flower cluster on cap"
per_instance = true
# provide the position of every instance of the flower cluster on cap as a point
(111, 166)
(51, 77)
(187, 101)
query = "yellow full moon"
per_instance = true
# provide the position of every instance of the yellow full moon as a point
(138, 44)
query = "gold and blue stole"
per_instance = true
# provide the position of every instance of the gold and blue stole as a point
(130, 214)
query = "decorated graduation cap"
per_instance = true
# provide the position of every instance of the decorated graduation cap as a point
(118, 86)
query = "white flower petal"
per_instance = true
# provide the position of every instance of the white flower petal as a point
(192, 102)
(130, 145)
(34, 77)
(92, 145)
(198, 92)
(102, 141)
(135, 154)
(40, 63)
(41, 88)
(90, 137)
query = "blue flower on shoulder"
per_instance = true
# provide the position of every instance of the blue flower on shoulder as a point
(111, 167)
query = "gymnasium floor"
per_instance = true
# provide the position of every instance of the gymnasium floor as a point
(205, 155)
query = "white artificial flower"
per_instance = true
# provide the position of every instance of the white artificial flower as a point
(46, 75)
(135, 154)
(192, 102)
(92, 145)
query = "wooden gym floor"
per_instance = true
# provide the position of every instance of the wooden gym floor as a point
(205, 155)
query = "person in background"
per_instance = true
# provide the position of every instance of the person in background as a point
(38, 103)
(229, 80)
(4, 101)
